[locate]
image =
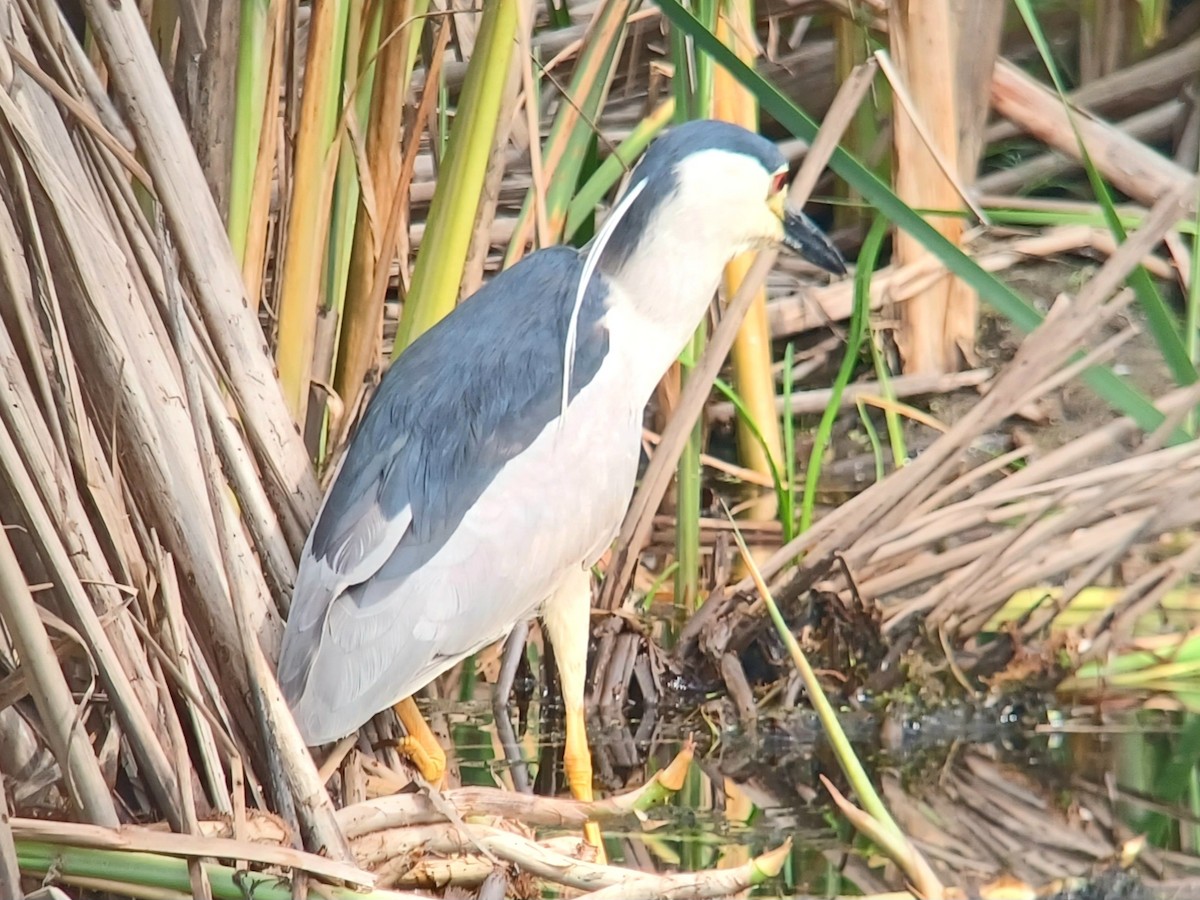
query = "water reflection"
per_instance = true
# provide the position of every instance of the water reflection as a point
(1024, 790)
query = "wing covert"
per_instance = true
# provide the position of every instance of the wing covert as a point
(428, 445)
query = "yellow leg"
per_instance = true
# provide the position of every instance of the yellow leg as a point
(420, 744)
(577, 764)
(567, 617)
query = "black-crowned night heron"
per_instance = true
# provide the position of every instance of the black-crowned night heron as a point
(477, 489)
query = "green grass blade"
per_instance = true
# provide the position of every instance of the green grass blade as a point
(867, 258)
(872, 438)
(1163, 325)
(739, 406)
(687, 492)
(895, 427)
(1001, 215)
(787, 503)
(559, 14)
(843, 751)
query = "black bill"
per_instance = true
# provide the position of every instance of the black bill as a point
(801, 234)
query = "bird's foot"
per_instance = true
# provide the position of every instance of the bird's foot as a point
(577, 766)
(420, 745)
(429, 762)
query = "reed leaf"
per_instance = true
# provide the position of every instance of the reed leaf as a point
(249, 106)
(438, 271)
(362, 310)
(606, 175)
(573, 129)
(304, 253)
(854, 337)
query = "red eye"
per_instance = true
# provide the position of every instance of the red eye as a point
(779, 181)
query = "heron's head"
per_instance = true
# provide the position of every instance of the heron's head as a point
(713, 188)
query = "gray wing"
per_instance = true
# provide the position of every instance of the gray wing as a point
(465, 399)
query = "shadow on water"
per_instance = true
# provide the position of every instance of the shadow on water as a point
(1024, 790)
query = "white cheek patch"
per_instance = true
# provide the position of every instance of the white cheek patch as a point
(732, 192)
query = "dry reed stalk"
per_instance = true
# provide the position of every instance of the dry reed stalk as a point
(431, 873)
(1150, 126)
(59, 715)
(362, 314)
(1064, 533)
(980, 27)
(85, 487)
(815, 400)
(36, 471)
(100, 464)
(176, 644)
(1147, 127)
(891, 503)
(936, 329)
(285, 753)
(306, 229)
(205, 76)
(816, 306)
(122, 345)
(1145, 84)
(10, 872)
(712, 883)
(380, 848)
(147, 103)
(138, 719)
(397, 810)
(1131, 167)
(1006, 823)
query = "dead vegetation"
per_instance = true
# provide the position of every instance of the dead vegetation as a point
(155, 491)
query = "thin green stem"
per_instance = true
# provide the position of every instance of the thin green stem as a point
(166, 873)
(787, 505)
(895, 426)
(842, 750)
(872, 438)
(687, 508)
(1163, 325)
(1192, 313)
(747, 418)
(249, 103)
(854, 337)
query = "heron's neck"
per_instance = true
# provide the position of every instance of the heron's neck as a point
(661, 298)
